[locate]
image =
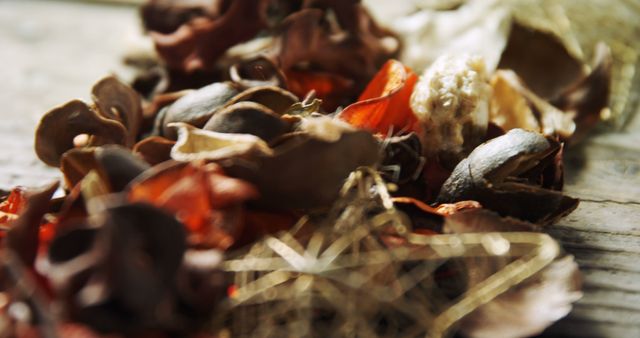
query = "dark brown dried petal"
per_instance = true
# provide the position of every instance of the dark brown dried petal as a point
(57, 129)
(248, 118)
(117, 101)
(197, 107)
(165, 16)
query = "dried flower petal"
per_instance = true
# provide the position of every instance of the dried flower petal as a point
(154, 149)
(383, 107)
(248, 118)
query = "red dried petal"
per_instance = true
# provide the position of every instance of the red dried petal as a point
(384, 104)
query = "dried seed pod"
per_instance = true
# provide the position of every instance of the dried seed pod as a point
(275, 98)
(115, 165)
(197, 107)
(491, 162)
(248, 118)
(117, 272)
(119, 102)
(154, 149)
(451, 101)
(255, 72)
(198, 144)
(59, 127)
(307, 168)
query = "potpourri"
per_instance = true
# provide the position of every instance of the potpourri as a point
(293, 168)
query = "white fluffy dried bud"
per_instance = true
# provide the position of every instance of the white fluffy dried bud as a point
(451, 100)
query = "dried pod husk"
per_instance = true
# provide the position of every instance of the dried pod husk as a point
(197, 44)
(275, 98)
(515, 106)
(308, 167)
(23, 235)
(491, 162)
(115, 165)
(117, 101)
(154, 149)
(587, 98)
(451, 102)
(197, 107)
(526, 202)
(198, 144)
(166, 16)
(117, 272)
(248, 118)
(255, 72)
(57, 129)
(541, 60)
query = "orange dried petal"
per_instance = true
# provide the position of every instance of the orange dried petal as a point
(384, 104)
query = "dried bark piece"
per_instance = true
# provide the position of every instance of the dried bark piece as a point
(491, 162)
(196, 108)
(117, 101)
(383, 107)
(248, 118)
(154, 149)
(57, 129)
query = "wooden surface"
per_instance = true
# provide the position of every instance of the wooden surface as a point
(51, 52)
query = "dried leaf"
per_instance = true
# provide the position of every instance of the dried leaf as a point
(272, 97)
(256, 72)
(383, 107)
